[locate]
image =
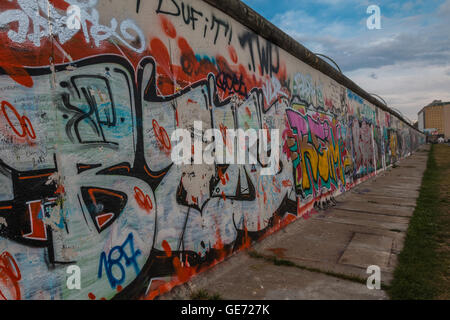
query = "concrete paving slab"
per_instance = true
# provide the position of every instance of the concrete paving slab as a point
(262, 280)
(361, 205)
(387, 192)
(368, 249)
(364, 258)
(392, 199)
(362, 218)
(319, 243)
(371, 242)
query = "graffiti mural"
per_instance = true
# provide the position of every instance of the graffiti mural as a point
(87, 118)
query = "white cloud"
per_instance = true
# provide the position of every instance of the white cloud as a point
(444, 9)
(295, 22)
(406, 86)
(407, 62)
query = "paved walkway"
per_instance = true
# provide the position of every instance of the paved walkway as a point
(366, 227)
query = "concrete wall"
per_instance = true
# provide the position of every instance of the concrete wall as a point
(421, 120)
(86, 176)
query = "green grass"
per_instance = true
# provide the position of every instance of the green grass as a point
(422, 270)
(203, 294)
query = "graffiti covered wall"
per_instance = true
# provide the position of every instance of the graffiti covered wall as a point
(87, 109)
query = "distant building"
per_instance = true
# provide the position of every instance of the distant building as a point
(435, 119)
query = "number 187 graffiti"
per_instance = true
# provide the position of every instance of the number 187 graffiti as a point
(115, 258)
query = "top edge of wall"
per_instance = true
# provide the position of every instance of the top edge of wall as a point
(257, 23)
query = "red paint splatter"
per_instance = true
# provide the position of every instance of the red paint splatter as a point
(221, 177)
(276, 186)
(91, 296)
(119, 288)
(168, 27)
(167, 248)
(165, 78)
(184, 273)
(282, 74)
(9, 62)
(26, 128)
(17, 73)
(286, 183)
(60, 190)
(266, 127)
(162, 136)
(143, 200)
(193, 69)
(247, 241)
(60, 4)
(233, 54)
(223, 130)
(9, 277)
(219, 243)
(185, 47)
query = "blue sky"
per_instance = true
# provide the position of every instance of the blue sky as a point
(407, 61)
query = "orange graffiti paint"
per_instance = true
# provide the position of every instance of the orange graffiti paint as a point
(184, 273)
(161, 135)
(60, 4)
(222, 178)
(143, 200)
(286, 183)
(167, 248)
(233, 54)
(249, 113)
(168, 27)
(27, 129)
(9, 277)
(9, 62)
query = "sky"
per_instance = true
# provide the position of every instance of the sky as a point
(406, 62)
